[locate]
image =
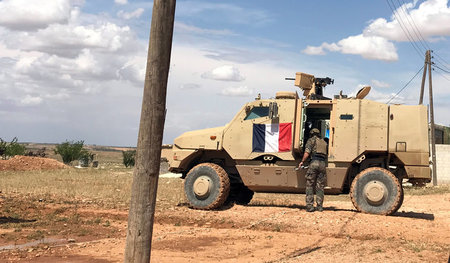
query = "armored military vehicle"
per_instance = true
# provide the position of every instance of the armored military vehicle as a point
(372, 148)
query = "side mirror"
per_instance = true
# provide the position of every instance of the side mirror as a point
(273, 110)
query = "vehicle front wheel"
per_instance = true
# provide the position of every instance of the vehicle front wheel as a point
(207, 186)
(376, 191)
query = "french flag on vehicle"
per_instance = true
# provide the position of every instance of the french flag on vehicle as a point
(276, 137)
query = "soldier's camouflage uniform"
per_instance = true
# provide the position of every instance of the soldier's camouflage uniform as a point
(315, 176)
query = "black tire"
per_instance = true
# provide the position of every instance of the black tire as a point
(219, 186)
(386, 202)
(400, 203)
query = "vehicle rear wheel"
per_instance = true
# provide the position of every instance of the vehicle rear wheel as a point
(376, 191)
(402, 196)
(207, 186)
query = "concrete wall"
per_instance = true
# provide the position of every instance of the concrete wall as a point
(443, 163)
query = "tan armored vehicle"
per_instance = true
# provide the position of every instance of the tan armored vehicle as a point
(372, 147)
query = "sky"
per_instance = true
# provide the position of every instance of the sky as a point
(74, 69)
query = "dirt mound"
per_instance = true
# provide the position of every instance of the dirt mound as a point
(28, 163)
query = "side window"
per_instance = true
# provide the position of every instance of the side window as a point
(257, 112)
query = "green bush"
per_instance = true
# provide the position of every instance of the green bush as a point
(129, 158)
(11, 149)
(71, 151)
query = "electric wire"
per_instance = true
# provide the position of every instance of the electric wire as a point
(441, 61)
(419, 35)
(393, 97)
(442, 75)
(410, 21)
(446, 71)
(415, 29)
(405, 30)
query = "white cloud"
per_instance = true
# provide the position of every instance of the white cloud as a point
(188, 29)
(121, 2)
(129, 15)
(32, 15)
(85, 55)
(133, 70)
(380, 84)
(431, 18)
(31, 101)
(224, 73)
(190, 86)
(369, 47)
(69, 40)
(223, 12)
(242, 91)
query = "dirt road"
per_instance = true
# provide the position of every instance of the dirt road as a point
(270, 229)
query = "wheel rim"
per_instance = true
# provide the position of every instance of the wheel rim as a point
(375, 192)
(202, 186)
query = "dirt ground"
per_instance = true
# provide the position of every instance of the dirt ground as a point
(27, 163)
(266, 230)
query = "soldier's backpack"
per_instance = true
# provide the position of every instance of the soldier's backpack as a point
(321, 147)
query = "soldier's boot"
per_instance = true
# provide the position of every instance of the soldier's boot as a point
(319, 208)
(310, 208)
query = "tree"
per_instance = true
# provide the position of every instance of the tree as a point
(70, 151)
(11, 149)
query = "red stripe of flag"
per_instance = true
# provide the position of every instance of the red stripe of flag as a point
(285, 137)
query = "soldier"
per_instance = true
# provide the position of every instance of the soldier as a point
(316, 175)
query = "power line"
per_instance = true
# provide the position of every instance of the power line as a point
(411, 22)
(442, 75)
(404, 29)
(417, 28)
(441, 60)
(419, 35)
(405, 85)
(442, 69)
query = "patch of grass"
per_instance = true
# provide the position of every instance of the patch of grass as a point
(84, 232)
(61, 219)
(36, 235)
(60, 210)
(277, 228)
(8, 237)
(106, 187)
(429, 190)
(377, 250)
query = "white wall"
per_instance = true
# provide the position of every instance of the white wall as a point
(443, 163)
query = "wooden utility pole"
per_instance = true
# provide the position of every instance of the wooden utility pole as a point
(427, 66)
(422, 87)
(145, 178)
(433, 140)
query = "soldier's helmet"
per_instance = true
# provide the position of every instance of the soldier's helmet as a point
(314, 131)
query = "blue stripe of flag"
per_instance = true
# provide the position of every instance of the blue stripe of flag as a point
(259, 137)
